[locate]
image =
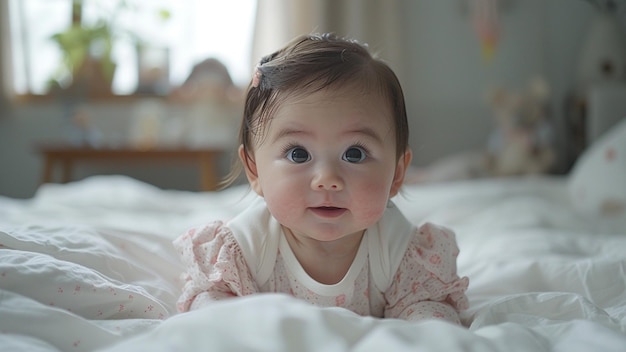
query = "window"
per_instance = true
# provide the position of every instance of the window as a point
(179, 33)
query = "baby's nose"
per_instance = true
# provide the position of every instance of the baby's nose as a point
(327, 179)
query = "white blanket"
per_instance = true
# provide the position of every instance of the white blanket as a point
(89, 266)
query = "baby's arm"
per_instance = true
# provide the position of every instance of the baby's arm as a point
(214, 267)
(426, 284)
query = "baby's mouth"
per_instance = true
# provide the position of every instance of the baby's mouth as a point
(328, 212)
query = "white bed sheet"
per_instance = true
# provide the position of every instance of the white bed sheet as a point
(89, 266)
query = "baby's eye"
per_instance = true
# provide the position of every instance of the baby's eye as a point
(298, 155)
(354, 155)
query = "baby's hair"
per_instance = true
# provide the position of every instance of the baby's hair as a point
(311, 63)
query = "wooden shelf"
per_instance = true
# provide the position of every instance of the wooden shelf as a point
(67, 157)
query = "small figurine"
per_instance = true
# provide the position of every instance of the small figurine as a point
(522, 142)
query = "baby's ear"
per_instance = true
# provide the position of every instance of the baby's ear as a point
(249, 166)
(398, 178)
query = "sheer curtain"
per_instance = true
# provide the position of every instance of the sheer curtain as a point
(380, 24)
(5, 57)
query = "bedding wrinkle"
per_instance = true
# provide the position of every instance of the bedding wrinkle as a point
(58, 329)
(604, 283)
(75, 288)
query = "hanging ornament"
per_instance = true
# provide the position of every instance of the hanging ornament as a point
(485, 20)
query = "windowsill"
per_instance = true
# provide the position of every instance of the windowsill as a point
(24, 99)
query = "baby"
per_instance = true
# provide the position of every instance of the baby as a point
(324, 143)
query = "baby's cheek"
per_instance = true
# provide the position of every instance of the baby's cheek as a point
(379, 192)
(376, 191)
(373, 202)
(282, 209)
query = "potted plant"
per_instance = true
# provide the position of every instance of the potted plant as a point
(87, 65)
(86, 57)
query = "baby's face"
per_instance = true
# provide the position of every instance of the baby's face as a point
(327, 163)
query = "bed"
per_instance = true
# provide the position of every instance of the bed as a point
(89, 265)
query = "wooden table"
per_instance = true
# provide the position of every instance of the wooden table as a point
(68, 156)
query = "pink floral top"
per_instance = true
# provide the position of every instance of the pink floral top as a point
(425, 285)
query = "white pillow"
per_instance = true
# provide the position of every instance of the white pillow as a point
(597, 183)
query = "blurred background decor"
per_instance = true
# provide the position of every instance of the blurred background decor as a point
(88, 66)
(600, 77)
(523, 138)
(485, 18)
(603, 52)
(153, 70)
(183, 100)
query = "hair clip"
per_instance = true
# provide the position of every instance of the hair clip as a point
(256, 77)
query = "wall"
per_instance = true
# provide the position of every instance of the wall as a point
(448, 81)
(445, 87)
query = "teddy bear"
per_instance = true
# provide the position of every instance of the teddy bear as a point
(522, 141)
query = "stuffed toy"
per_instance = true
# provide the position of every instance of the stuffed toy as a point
(522, 141)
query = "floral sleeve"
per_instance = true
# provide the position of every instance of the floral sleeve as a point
(426, 284)
(214, 267)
